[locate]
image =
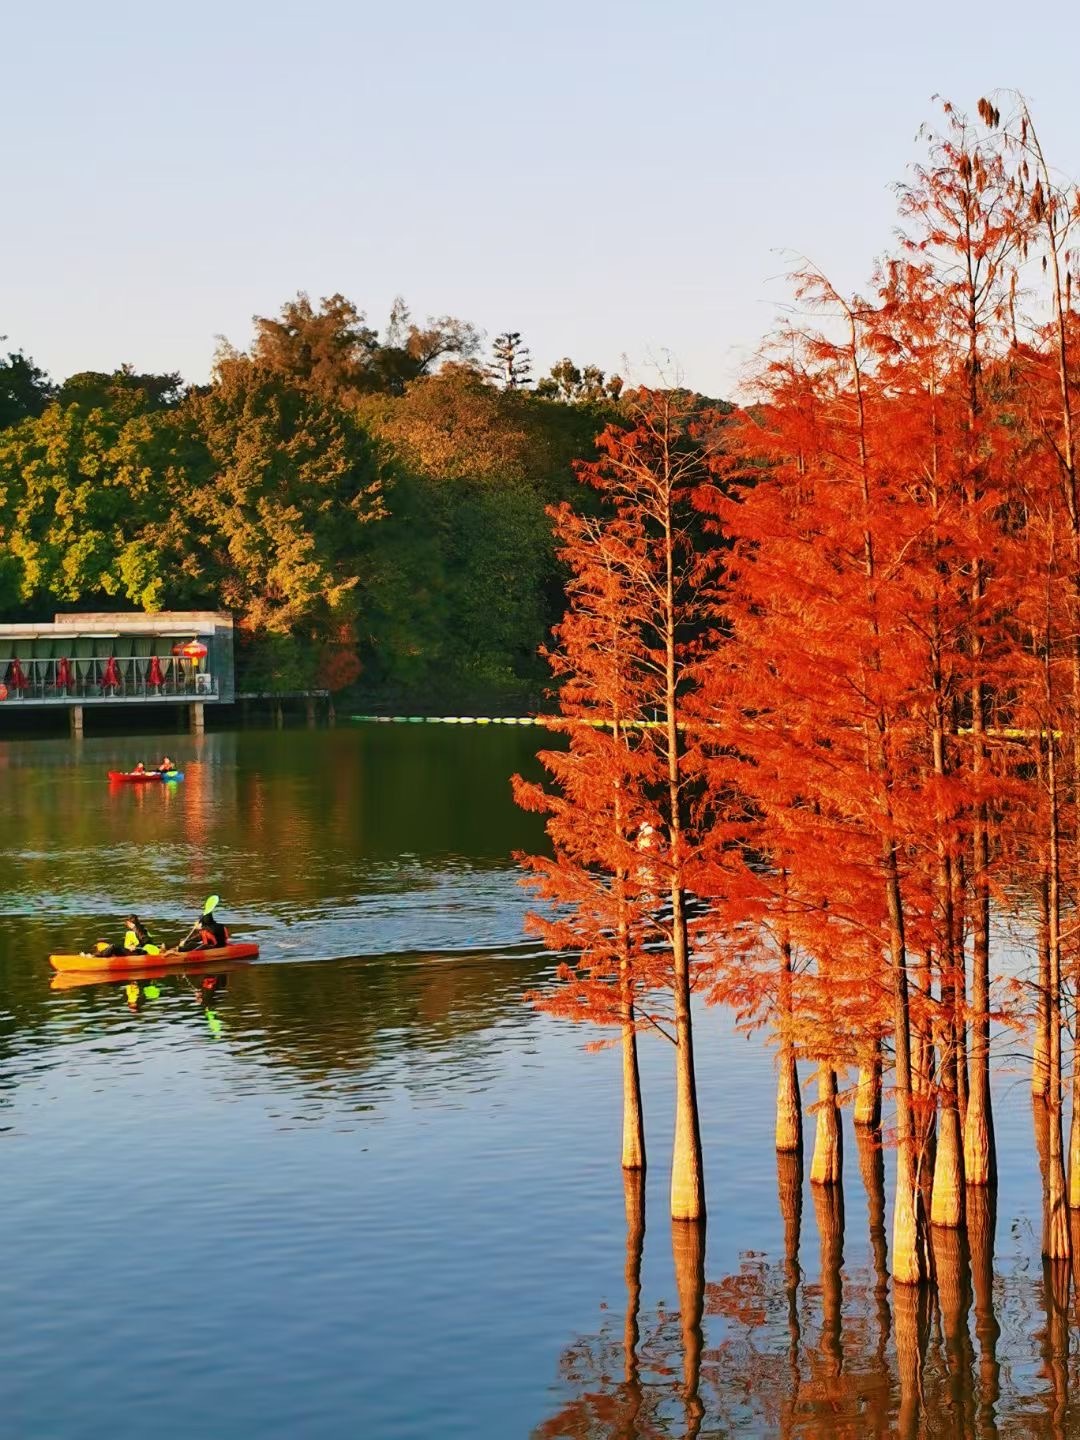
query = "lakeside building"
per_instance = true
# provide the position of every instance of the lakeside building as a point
(180, 657)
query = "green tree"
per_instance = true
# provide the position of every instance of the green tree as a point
(25, 389)
(85, 508)
(291, 481)
(575, 386)
(125, 391)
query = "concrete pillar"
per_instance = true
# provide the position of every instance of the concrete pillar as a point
(198, 717)
(76, 716)
(279, 715)
(309, 709)
(331, 713)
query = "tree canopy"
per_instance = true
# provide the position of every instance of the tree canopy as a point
(369, 503)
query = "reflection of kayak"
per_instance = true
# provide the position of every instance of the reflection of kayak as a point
(152, 970)
(137, 777)
(106, 965)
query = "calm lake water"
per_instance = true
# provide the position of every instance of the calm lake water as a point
(361, 1189)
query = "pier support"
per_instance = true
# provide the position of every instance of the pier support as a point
(309, 710)
(198, 717)
(75, 714)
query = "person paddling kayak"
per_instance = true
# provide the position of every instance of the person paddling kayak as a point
(207, 933)
(166, 767)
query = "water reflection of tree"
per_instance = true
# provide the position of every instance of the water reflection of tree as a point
(847, 1355)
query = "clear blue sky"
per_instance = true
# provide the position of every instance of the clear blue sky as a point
(608, 178)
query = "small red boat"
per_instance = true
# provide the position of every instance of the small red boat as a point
(137, 777)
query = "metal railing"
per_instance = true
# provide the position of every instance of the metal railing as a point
(88, 678)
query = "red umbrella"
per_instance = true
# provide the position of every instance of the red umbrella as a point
(16, 679)
(154, 676)
(112, 674)
(63, 674)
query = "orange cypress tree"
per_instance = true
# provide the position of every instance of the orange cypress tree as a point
(628, 817)
(603, 892)
(968, 229)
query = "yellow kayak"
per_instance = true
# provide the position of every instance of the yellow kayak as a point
(127, 964)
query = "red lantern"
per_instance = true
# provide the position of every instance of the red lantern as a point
(63, 674)
(191, 650)
(155, 676)
(112, 674)
(3, 692)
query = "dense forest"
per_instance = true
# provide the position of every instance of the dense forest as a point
(370, 506)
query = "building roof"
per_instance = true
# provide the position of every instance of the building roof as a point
(164, 623)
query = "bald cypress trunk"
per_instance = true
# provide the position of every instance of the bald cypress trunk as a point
(789, 1136)
(826, 1168)
(868, 1089)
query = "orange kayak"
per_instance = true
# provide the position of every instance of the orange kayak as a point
(78, 979)
(165, 959)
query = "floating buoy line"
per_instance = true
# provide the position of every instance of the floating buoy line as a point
(546, 721)
(550, 722)
(447, 719)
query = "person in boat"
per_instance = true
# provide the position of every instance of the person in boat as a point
(140, 768)
(207, 933)
(136, 941)
(166, 765)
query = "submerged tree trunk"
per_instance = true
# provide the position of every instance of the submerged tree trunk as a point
(923, 1076)
(960, 972)
(947, 1196)
(1074, 1137)
(1040, 1061)
(789, 1136)
(868, 1089)
(826, 1168)
(633, 1131)
(909, 1233)
(687, 1167)
(980, 1165)
(1056, 1240)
